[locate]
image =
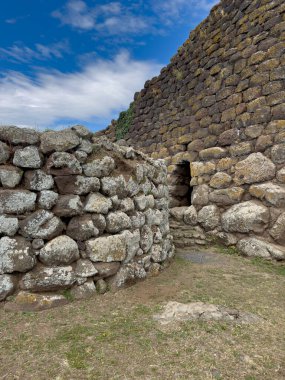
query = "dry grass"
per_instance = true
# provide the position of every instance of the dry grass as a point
(115, 337)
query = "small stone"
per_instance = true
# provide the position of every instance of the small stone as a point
(84, 291)
(60, 141)
(212, 153)
(146, 239)
(99, 222)
(253, 247)
(78, 185)
(209, 217)
(47, 199)
(127, 205)
(281, 175)
(98, 203)
(227, 197)
(15, 135)
(278, 230)
(271, 192)
(99, 168)
(10, 176)
(200, 195)
(15, 255)
(81, 131)
(132, 243)
(28, 157)
(101, 286)
(7, 286)
(68, 205)
(38, 244)
(190, 216)
(63, 164)
(106, 269)
(220, 180)
(8, 225)
(85, 268)
(31, 302)
(59, 251)
(4, 153)
(106, 249)
(81, 228)
(178, 212)
(137, 219)
(278, 154)
(38, 180)
(17, 201)
(141, 202)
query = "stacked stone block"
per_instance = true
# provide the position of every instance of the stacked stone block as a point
(77, 213)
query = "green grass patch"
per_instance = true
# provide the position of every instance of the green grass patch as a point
(124, 122)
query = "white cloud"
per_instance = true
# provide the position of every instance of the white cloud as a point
(23, 54)
(77, 14)
(97, 91)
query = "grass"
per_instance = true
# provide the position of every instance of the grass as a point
(115, 336)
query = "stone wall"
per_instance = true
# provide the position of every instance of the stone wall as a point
(77, 213)
(220, 106)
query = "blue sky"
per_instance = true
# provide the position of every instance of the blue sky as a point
(64, 62)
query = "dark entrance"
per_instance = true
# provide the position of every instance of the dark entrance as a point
(180, 189)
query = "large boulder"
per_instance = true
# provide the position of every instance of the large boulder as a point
(28, 157)
(8, 225)
(17, 201)
(117, 221)
(81, 228)
(246, 217)
(10, 176)
(68, 205)
(278, 230)
(77, 184)
(209, 217)
(255, 168)
(107, 248)
(43, 279)
(253, 247)
(7, 286)
(59, 251)
(271, 192)
(98, 203)
(38, 180)
(99, 168)
(14, 135)
(15, 255)
(41, 224)
(62, 163)
(60, 141)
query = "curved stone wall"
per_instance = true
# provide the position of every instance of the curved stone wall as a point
(220, 106)
(77, 213)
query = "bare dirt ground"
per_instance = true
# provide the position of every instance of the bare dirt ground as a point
(115, 337)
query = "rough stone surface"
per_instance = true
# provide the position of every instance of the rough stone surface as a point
(117, 221)
(8, 225)
(16, 201)
(15, 135)
(83, 291)
(106, 269)
(47, 199)
(272, 193)
(85, 268)
(77, 184)
(41, 225)
(99, 168)
(107, 248)
(68, 205)
(10, 176)
(4, 153)
(81, 228)
(278, 230)
(253, 247)
(63, 164)
(59, 251)
(15, 255)
(190, 216)
(38, 180)
(31, 302)
(28, 157)
(246, 217)
(98, 203)
(60, 141)
(7, 286)
(209, 217)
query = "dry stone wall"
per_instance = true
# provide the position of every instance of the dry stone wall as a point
(220, 106)
(78, 214)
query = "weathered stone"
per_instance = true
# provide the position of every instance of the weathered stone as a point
(255, 168)
(241, 149)
(132, 243)
(212, 153)
(141, 202)
(137, 219)
(8, 225)
(68, 205)
(81, 228)
(278, 154)
(99, 168)
(220, 180)
(226, 238)
(16, 201)
(28, 157)
(31, 302)
(111, 186)
(106, 269)
(281, 175)
(253, 247)
(225, 163)
(133, 187)
(200, 195)
(85, 268)
(246, 217)
(60, 141)
(127, 205)
(227, 197)
(14, 135)
(7, 286)
(200, 168)
(38, 244)
(38, 180)
(117, 221)
(190, 216)
(43, 279)
(10, 176)
(15, 255)
(107, 248)
(41, 225)
(63, 164)
(47, 199)
(77, 184)
(98, 203)
(254, 131)
(278, 230)
(101, 286)
(81, 131)
(4, 153)
(209, 217)
(146, 239)
(99, 222)
(178, 212)
(271, 192)
(127, 274)
(228, 137)
(59, 251)
(84, 291)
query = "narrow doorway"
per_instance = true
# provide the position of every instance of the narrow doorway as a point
(180, 189)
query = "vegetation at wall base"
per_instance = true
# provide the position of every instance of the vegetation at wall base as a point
(124, 122)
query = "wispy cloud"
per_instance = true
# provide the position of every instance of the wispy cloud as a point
(23, 54)
(97, 91)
